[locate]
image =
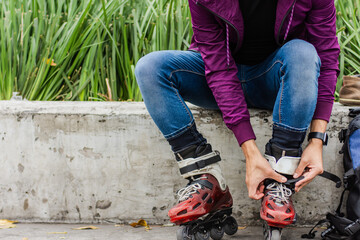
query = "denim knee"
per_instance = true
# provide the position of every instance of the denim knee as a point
(146, 69)
(300, 51)
(298, 92)
(302, 67)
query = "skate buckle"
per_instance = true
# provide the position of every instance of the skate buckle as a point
(200, 164)
(353, 228)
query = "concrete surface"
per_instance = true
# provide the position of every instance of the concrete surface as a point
(82, 162)
(110, 232)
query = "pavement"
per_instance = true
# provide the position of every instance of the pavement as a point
(24, 231)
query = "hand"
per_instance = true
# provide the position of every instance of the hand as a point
(311, 164)
(257, 170)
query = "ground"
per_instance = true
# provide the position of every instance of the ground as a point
(123, 232)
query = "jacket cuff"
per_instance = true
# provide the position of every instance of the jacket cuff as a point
(243, 132)
(323, 111)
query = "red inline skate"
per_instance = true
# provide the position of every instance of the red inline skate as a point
(204, 208)
(277, 209)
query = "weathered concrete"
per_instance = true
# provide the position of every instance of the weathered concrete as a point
(92, 162)
(119, 232)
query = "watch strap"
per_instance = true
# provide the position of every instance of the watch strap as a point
(323, 136)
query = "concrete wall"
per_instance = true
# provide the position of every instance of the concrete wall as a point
(96, 162)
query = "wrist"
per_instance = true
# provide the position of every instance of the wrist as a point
(316, 142)
(250, 150)
(252, 153)
(318, 125)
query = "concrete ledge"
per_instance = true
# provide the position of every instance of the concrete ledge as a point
(85, 162)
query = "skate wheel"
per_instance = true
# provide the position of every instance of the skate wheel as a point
(217, 233)
(271, 233)
(275, 233)
(202, 236)
(183, 233)
(230, 226)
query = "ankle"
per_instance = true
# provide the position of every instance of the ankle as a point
(193, 151)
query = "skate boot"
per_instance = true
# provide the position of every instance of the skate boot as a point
(204, 207)
(277, 209)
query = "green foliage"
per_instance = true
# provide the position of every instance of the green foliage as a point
(84, 50)
(348, 24)
(87, 50)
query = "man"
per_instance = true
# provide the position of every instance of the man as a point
(275, 54)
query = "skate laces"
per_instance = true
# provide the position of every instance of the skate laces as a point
(279, 192)
(185, 192)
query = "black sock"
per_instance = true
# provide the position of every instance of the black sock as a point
(190, 137)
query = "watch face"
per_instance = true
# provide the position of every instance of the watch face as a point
(326, 138)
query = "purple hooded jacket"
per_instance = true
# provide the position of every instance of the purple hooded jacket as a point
(218, 33)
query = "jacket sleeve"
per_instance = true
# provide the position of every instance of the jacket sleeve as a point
(210, 36)
(321, 32)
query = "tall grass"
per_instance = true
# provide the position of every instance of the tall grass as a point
(348, 24)
(84, 50)
(87, 50)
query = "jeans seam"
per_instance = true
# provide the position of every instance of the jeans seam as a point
(184, 70)
(177, 93)
(182, 103)
(180, 131)
(289, 128)
(267, 70)
(282, 92)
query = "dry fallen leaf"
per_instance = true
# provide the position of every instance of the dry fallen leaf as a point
(242, 228)
(140, 223)
(86, 228)
(4, 224)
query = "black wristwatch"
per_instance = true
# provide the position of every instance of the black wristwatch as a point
(323, 136)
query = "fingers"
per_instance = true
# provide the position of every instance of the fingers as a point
(277, 177)
(302, 183)
(256, 195)
(309, 176)
(259, 192)
(300, 169)
(262, 187)
(256, 192)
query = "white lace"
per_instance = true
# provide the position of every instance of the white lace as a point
(279, 192)
(185, 192)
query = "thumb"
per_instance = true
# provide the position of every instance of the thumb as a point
(278, 177)
(300, 169)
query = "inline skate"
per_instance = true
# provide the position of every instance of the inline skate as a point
(277, 209)
(205, 204)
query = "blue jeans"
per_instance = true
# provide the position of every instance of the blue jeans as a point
(286, 82)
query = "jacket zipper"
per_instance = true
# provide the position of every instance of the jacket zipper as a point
(282, 23)
(232, 25)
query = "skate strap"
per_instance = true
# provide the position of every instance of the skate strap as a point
(311, 234)
(200, 164)
(353, 227)
(205, 183)
(340, 228)
(293, 181)
(344, 226)
(332, 177)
